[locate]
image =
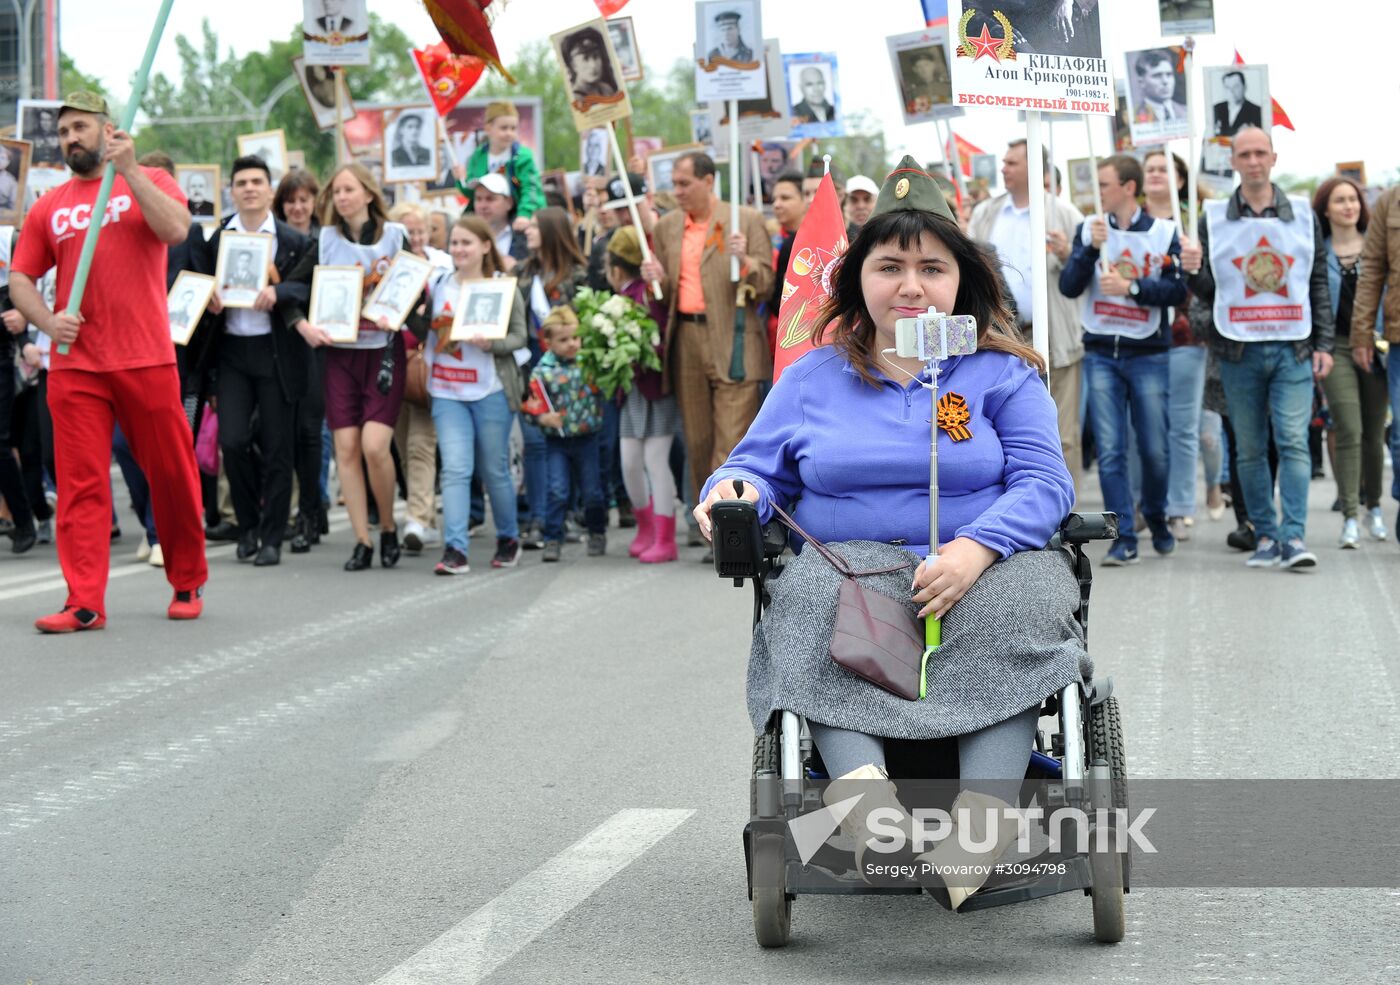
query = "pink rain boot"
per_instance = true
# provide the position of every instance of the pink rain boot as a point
(646, 530)
(663, 548)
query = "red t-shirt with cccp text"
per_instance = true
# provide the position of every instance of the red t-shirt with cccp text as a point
(125, 322)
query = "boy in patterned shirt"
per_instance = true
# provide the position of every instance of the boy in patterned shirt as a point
(571, 414)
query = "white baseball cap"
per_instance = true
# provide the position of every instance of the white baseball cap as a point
(860, 183)
(494, 182)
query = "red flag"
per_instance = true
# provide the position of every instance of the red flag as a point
(463, 25)
(1280, 117)
(609, 7)
(820, 241)
(448, 77)
(965, 152)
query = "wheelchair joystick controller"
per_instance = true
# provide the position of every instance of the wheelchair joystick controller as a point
(737, 537)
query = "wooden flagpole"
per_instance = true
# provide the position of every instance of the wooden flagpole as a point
(631, 201)
(734, 189)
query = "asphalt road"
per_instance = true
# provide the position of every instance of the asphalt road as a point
(541, 775)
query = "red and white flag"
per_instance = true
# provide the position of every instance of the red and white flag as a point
(448, 77)
(820, 241)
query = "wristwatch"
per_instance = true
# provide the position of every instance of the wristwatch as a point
(1133, 289)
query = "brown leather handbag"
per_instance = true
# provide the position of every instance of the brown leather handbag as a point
(415, 383)
(875, 636)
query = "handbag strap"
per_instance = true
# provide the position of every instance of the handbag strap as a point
(832, 558)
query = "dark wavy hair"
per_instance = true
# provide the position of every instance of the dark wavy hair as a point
(845, 317)
(1323, 195)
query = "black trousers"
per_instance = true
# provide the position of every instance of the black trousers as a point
(248, 383)
(310, 418)
(31, 432)
(11, 483)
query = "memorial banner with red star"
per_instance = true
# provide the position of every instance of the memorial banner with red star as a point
(1049, 58)
(820, 241)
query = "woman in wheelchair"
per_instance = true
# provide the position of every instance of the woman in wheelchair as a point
(844, 434)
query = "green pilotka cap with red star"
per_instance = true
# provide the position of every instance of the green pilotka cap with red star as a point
(909, 188)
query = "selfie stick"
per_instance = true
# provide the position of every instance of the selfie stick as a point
(109, 173)
(933, 626)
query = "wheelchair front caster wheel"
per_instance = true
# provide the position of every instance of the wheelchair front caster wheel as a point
(1107, 871)
(772, 907)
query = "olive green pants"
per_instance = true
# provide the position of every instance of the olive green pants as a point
(1358, 401)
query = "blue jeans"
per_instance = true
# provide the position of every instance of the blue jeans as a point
(574, 466)
(1186, 386)
(536, 470)
(1393, 369)
(468, 430)
(608, 459)
(1136, 383)
(1270, 383)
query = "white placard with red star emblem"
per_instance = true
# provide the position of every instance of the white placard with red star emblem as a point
(335, 32)
(1136, 256)
(1049, 58)
(1262, 268)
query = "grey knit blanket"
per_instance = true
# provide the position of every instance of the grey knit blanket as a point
(1008, 643)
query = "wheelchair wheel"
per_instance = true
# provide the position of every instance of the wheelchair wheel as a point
(1106, 868)
(772, 906)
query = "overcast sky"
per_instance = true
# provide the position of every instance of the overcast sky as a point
(1341, 96)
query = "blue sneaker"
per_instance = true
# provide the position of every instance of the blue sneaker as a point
(1295, 555)
(1265, 555)
(1120, 554)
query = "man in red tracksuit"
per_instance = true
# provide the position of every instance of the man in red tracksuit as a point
(120, 367)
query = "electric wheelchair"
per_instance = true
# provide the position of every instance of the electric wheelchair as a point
(1077, 763)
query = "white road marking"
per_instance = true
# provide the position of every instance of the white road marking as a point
(471, 951)
(47, 796)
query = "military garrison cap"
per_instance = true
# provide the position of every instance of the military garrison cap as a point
(909, 188)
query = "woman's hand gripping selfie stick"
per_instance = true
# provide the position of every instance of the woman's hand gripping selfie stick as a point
(109, 173)
(932, 338)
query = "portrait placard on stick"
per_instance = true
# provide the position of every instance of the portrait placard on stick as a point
(1236, 96)
(1156, 80)
(1186, 16)
(335, 32)
(14, 176)
(335, 301)
(814, 94)
(318, 85)
(761, 118)
(728, 51)
(1059, 66)
(592, 73)
(920, 61)
(624, 42)
(271, 146)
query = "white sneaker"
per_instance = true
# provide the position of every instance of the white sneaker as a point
(143, 549)
(157, 558)
(413, 537)
(1375, 524)
(1350, 539)
(430, 536)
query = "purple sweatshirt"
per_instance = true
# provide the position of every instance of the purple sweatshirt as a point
(858, 456)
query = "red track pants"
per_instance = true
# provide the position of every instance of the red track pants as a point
(146, 403)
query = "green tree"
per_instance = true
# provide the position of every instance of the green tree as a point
(71, 80)
(219, 96)
(861, 151)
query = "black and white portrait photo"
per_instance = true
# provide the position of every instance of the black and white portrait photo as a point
(594, 154)
(813, 95)
(14, 175)
(318, 83)
(200, 183)
(624, 42)
(38, 124)
(410, 144)
(1157, 95)
(483, 308)
(271, 146)
(185, 304)
(726, 35)
(399, 289)
(335, 301)
(335, 32)
(1186, 16)
(1038, 26)
(762, 118)
(920, 63)
(243, 269)
(592, 74)
(1237, 95)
